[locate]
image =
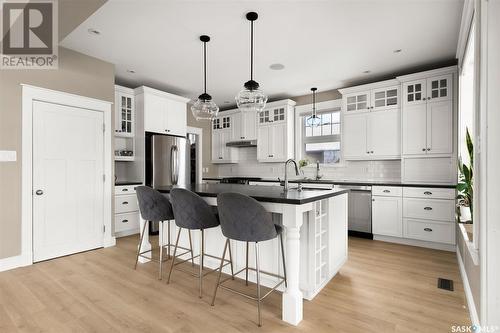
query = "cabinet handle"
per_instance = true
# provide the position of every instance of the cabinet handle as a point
(428, 98)
(423, 99)
(428, 149)
(125, 203)
(242, 137)
(371, 152)
(373, 199)
(124, 189)
(428, 229)
(423, 149)
(427, 208)
(386, 191)
(427, 193)
(367, 152)
(220, 158)
(124, 221)
(39, 192)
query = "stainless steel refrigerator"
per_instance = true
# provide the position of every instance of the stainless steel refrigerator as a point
(170, 160)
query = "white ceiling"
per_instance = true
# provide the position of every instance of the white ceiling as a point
(328, 44)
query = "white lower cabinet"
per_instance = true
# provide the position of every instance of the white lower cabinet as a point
(126, 211)
(387, 216)
(418, 214)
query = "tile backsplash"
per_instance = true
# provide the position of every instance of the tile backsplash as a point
(350, 170)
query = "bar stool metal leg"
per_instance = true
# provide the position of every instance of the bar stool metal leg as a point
(191, 247)
(220, 272)
(140, 243)
(283, 257)
(246, 270)
(160, 241)
(258, 280)
(231, 259)
(202, 254)
(173, 258)
(168, 238)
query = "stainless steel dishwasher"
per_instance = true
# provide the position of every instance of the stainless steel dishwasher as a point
(360, 210)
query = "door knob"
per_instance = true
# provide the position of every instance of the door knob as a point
(39, 192)
(423, 149)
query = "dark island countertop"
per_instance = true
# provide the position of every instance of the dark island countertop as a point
(351, 182)
(127, 182)
(260, 193)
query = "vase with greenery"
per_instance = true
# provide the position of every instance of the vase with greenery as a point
(465, 182)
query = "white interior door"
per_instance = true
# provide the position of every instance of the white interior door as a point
(68, 191)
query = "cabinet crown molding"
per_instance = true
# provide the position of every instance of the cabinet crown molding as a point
(144, 89)
(369, 86)
(123, 89)
(434, 72)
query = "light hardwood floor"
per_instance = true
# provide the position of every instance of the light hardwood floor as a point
(382, 288)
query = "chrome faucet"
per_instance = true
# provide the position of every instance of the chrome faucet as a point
(286, 172)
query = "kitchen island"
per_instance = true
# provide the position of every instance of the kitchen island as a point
(315, 223)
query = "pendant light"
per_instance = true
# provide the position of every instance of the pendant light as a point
(314, 120)
(204, 108)
(251, 98)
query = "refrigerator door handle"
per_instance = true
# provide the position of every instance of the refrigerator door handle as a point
(174, 164)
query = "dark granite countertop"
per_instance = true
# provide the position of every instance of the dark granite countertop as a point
(352, 182)
(127, 182)
(260, 192)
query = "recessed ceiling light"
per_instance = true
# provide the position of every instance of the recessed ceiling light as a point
(94, 32)
(277, 67)
(397, 50)
(131, 71)
(366, 72)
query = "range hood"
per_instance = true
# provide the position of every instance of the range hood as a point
(242, 143)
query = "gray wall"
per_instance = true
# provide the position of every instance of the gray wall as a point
(77, 74)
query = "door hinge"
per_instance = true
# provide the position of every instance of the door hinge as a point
(104, 229)
(103, 178)
(104, 127)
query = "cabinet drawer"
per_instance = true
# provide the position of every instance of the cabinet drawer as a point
(125, 189)
(126, 221)
(126, 203)
(430, 209)
(387, 191)
(432, 231)
(429, 193)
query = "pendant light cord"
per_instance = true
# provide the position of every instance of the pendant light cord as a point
(314, 103)
(205, 67)
(251, 50)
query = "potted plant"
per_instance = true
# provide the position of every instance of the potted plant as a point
(465, 183)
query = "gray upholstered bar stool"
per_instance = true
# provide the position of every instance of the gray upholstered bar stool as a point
(155, 207)
(193, 213)
(244, 219)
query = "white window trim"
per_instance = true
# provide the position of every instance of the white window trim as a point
(29, 95)
(321, 107)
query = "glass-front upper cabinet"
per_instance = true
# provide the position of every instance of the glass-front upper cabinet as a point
(221, 122)
(124, 113)
(439, 88)
(414, 92)
(272, 115)
(359, 101)
(385, 98)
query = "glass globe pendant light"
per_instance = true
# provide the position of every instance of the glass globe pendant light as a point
(314, 120)
(204, 108)
(251, 98)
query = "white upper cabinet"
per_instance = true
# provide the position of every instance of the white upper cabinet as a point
(358, 101)
(384, 98)
(414, 92)
(372, 131)
(245, 126)
(124, 111)
(275, 133)
(439, 88)
(222, 133)
(428, 121)
(163, 112)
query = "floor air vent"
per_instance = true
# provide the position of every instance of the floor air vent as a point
(445, 284)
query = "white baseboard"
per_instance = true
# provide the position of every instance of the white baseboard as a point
(415, 242)
(109, 241)
(468, 292)
(126, 233)
(12, 262)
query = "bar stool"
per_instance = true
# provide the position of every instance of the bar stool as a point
(244, 219)
(155, 207)
(193, 213)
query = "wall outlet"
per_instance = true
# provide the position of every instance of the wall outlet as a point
(8, 156)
